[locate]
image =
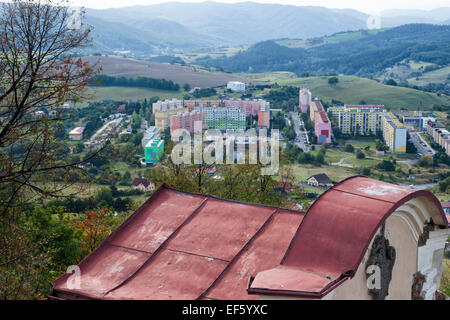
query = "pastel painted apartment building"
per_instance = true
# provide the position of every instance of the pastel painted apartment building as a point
(440, 135)
(162, 119)
(394, 133)
(154, 151)
(305, 99)
(184, 121)
(236, 86)
(322, 125)
(167, 105)
(223, 118)
(358, 119)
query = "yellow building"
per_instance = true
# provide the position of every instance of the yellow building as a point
(358, 120)
(394, 133)
(162, 119)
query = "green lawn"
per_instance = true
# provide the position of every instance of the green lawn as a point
(354, 90)
(303, 172)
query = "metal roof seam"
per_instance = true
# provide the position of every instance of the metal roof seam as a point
(160, 247)
(128, 248)
(195, 254)
(236, 257)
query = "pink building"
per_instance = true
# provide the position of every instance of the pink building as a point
(322, 128)
(305, 99)
(322, 125)
(184, 121)
(263, 119)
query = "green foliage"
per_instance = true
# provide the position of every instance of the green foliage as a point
(391, 82)
(204, 93)
(349, 148)
(333, 81)
(285, 98)
(386, 165)
(425, 161)
(365, 56)
(360, 154)
(366, 172)
(139, 82)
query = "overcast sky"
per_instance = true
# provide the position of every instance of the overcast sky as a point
(362, 5)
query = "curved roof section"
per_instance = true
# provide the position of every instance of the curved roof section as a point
(179, 245)
(334, 236)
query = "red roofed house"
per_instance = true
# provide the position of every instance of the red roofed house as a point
(187, 246)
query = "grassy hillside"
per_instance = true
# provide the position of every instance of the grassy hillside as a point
(354, 90)
(436, 76)
(335, 38)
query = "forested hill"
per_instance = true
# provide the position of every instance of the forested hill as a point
(367, 55)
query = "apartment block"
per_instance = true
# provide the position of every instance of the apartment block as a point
(236, 86)
(154, 151)
(162, 119)
(305, 99)
(184, 121)
(440, 135)
(167, 105)
(322, 125)
(223, 118)
(394, 133)
(358, 119)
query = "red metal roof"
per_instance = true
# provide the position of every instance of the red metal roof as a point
(334, 235)
(185, 246)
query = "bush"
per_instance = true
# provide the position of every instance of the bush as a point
(360, 154)
(366, 172)
(386, 165)
(349, 148)
(425, 161)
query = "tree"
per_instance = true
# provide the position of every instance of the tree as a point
(349, 148)
(333, 81)
(391, 82)
(360, 154)
(187, 87)
(425, 161)
(36, 76)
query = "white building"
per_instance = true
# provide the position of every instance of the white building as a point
(236, 86)
(76, 134)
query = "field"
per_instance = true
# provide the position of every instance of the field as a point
(338, 37)
(355, 90)
(126, 93)
(196, 77)
(269, 77)
(214, 53)
(436, 76)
